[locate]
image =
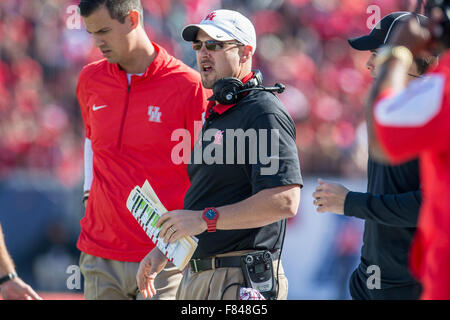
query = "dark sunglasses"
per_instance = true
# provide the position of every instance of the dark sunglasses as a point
(212, 45)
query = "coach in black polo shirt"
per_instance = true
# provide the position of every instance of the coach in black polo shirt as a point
(244, 171)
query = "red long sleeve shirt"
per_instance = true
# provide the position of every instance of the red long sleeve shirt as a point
(130, 127)
(417, 122)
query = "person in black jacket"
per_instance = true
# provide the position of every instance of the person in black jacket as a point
(390, 207)
(237, 202)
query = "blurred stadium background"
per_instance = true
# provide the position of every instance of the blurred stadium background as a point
(302, 43)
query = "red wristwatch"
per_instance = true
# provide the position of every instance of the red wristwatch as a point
(210, 215)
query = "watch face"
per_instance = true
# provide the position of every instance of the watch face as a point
(210, 214)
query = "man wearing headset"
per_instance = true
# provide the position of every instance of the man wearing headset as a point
(235, 208)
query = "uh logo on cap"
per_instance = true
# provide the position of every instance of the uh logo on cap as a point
(210, 16)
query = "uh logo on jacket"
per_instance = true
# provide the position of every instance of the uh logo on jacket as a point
(154, 114)
(113, 124)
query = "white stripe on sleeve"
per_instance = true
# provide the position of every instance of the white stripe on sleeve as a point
(415, 106)
(88, 165)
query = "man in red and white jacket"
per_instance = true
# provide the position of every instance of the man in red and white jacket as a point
(414, 120)
(131, 103)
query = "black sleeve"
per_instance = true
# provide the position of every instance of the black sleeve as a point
(277, 163)
(395, 210)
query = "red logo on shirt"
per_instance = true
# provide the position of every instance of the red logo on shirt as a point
(210, 16)
(218, 137)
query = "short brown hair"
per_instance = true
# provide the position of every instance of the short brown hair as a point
(118, 9)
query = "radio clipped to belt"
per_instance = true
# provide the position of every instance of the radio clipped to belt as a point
(257, 268)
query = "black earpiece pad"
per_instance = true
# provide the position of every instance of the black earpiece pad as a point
(226, 90)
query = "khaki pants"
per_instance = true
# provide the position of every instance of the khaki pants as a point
(222, 283)
(116, 280)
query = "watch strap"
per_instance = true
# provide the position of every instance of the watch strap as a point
(8, 277)
(211, 223)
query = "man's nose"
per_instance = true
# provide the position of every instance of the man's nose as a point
(99, 42)
(203, 52)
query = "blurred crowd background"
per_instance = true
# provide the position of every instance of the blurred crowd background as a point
(43, 46)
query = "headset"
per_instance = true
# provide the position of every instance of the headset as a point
(230, 90)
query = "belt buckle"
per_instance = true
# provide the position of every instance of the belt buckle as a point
(214, 263)
(194, 265)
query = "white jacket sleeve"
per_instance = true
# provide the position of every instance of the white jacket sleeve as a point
(88, 165)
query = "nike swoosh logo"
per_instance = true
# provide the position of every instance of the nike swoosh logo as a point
(95, 108)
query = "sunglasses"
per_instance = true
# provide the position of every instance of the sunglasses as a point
(212, 45)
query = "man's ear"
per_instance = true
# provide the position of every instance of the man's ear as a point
(135, 19)
(246, 53)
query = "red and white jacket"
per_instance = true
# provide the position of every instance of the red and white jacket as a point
(416, 122)
(129, 128)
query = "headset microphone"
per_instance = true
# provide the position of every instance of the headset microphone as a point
(230, 90)
(278, 88)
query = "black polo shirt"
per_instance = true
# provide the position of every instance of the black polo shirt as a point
(248, 148)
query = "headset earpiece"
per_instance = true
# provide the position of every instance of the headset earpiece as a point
(257, 75)
(230, 90)
(226, 90)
